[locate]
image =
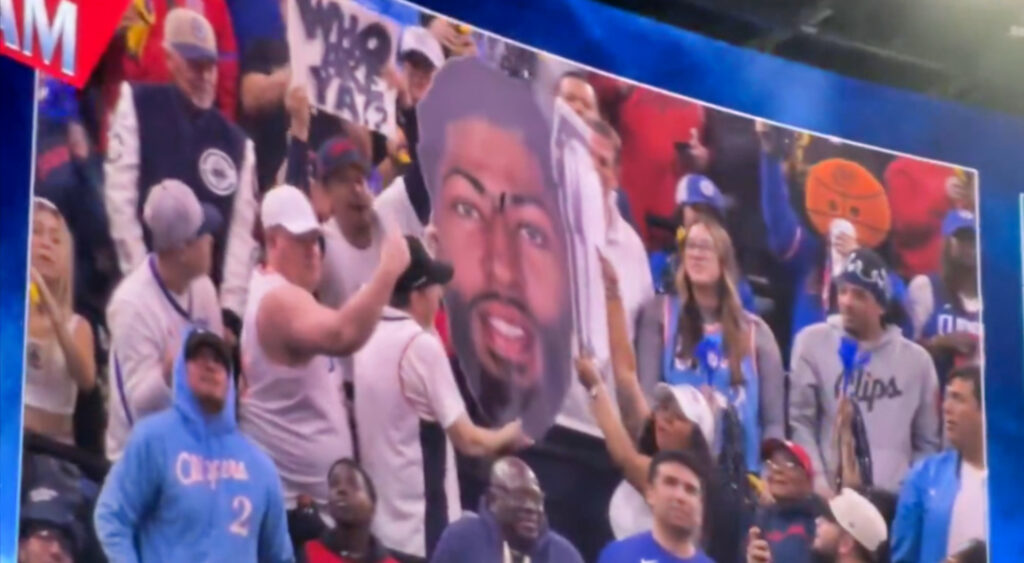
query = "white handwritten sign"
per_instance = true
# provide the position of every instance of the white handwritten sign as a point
(339, 52)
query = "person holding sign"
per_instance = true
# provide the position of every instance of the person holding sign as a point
(857, 362)
(190, 486)
(486, 155)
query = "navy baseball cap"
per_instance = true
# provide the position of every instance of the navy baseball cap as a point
(202, 339)
(699, 189)
(423, 269)
(336, 153)
(956, 221)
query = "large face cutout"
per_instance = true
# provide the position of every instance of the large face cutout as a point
(498, 223)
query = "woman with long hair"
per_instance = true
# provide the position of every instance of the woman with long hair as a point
(710, 341)
(59, 358)
(681, 419)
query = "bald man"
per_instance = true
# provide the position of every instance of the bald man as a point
(510, 526)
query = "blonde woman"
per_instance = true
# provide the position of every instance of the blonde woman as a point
(59, 349)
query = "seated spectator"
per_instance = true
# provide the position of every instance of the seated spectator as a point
(352, 505)
(509, 526)
(676, 494)
(293, 405)
(706, 315)
(852, 531)
(404, 424)
(856, 361)
(155, 304)
(51, 530)
(785, 527)
(59, 360)
(943, 504)
(945, 308)
(190, 486)
(171, 131)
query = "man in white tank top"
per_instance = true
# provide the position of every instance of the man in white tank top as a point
(155, 304)
(407, 409)
(292, 404)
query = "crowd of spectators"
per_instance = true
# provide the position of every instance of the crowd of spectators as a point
(246, 312)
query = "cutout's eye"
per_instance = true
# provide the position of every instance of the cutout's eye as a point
(854, 212)
(833, 206)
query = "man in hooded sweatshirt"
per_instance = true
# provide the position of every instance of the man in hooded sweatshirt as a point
(888, 378)
(190, 486)
(510, 526)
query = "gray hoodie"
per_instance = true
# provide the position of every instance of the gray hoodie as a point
(897, 391)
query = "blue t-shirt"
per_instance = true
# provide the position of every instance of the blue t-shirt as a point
(642, 548)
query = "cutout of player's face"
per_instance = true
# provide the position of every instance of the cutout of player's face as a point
(497, 222)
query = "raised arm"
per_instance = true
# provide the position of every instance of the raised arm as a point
(632, 405)
(623, 452)
(291, 318)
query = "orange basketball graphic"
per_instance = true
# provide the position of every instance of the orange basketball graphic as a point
(842, 189)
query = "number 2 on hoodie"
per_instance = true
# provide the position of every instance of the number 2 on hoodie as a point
(243, 506)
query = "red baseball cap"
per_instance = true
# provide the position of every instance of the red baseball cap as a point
(772, 445)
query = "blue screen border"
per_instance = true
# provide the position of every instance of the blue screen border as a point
(716, 73)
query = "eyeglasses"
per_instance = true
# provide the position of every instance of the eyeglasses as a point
(776, 466)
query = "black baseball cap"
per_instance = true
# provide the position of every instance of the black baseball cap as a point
(336, 153)
(423, 270)
(202, 339)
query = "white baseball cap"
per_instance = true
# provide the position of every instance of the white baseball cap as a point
(286, 206)
(418, 39)
(175, 217)
(860, 518)
(692, 403)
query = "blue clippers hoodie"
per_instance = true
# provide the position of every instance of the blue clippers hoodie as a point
(190, 487)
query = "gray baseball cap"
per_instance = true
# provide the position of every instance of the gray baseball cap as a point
(175, 217)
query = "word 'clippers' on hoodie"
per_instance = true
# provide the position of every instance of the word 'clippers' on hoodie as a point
(895, 386)
(191, 487)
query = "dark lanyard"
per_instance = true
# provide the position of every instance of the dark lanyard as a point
(185, 313)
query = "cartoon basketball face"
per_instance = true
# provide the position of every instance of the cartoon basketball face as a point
(842, 189)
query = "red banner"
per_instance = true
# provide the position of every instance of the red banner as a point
(63, 38)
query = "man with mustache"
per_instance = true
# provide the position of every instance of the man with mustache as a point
(510, 525)
(485, 152)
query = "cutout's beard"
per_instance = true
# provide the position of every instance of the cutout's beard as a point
(499, 398)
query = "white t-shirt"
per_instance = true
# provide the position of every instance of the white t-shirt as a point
(145, 321)
(625, 251)
(393, 204)
(970, 509)
(296, 414)
(406, 399)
